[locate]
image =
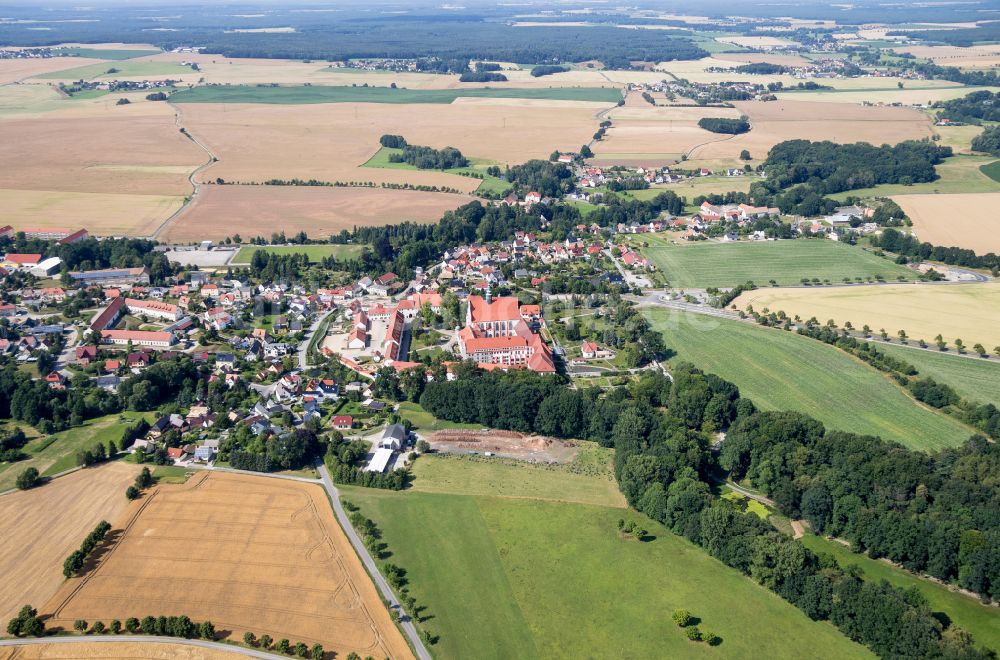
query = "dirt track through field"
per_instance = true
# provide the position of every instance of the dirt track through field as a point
(247, 553)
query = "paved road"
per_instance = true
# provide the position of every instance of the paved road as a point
(369, 562)
(753, 496)
(657, 299)
(142, 639)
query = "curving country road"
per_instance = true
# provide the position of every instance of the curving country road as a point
(195, 185)
(405, 622)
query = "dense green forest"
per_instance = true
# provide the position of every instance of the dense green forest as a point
(547, 70)
(428, 158)
(988, 141)
(981, 105)
(800, 172)
(724, 125)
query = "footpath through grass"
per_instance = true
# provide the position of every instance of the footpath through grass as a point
(784, 371)
(342, 94)
(316, 253)
(707, 264)
(965, 611)
(522, 578)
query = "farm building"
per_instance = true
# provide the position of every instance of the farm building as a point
(380, 460)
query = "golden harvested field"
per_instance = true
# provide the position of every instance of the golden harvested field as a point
(13, 70)
(248, 553)
(973, 57)
(103, 214)
(329, 142)
(970, 312)
(320, 211)
(783, 59)
(640, 128)
(42, 526)
(962, 220)
(778, 121)
(115, 647)
(130, 152)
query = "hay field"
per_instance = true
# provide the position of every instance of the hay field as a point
(14, 70)
(985, 56)
(42, 526)
(115, 647)
(248, 553)
(251, 211)
(962, 220)
(970, 312)
(329, 142)
(664, 131)
(640, 128)
(103, 214)
(131, 152)
(778, 121)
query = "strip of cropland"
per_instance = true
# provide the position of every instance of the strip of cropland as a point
(332, 94)
(786, 262)
(494, 575)
(781, 370)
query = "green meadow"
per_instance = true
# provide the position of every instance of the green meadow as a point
(781, 370)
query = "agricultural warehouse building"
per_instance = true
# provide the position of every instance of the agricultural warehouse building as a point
(393, 437)
(46, 234)
(107, 317)
(47, 267)
(78, 235)
(140, 337)
(380, 460)
(112, 276)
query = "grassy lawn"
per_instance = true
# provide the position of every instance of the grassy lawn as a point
(965, 611)
(125, 70)
(500, 477)
(315, 252)
(784, 371)
(330, 94)
(171, 474)
(787, 262)
(424, 421)
(56, 453)
(975, 379)
(959, 174)
(691, 188)
(992, 170)
(477, 166)
(522, 578)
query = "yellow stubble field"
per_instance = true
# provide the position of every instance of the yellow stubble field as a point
(970, 312)
(961, 220)
(42, 526)
(248, 553)
(250, 211)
